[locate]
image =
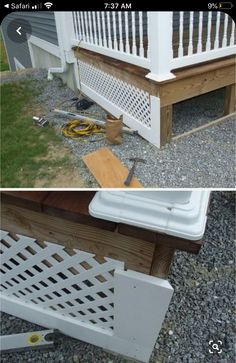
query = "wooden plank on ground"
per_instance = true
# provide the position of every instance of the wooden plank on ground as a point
(137, 254)
(32, 200)
(108, 170)
(74, 206)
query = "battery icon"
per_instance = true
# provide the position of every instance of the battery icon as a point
(225, 6)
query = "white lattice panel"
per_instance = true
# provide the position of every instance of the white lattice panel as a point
(73, 284)
(132, 100)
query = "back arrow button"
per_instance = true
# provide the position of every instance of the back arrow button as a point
(18, 30)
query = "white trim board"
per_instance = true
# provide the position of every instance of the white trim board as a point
(18, 64)
(43, 44)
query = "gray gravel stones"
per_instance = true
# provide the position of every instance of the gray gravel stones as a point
(197, 111)
(204, 159)
(201, 308)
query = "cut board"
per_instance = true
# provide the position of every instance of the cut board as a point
(108, 170)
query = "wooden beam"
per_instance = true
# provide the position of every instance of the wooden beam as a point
(162, 259)
(230, 99)
(137, 254)
(74, 206)
(158, 238)
(166, 124)
(193, 84)
(30, 199)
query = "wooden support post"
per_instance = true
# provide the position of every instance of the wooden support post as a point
(161, 262)
(166, 124)
(230, 100)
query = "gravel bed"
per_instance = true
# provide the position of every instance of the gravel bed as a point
(197, 111)
(193, 161)
(201, 308)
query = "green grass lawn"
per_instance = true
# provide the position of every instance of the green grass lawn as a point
(3, 57)
(23, 145)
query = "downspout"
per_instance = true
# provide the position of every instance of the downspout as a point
(64, 66)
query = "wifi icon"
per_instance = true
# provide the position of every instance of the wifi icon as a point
(48, 5)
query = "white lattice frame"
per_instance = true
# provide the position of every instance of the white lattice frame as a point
(140, 110)
(134, 304)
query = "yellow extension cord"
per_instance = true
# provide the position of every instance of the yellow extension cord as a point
(77, 129)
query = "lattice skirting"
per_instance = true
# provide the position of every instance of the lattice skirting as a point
(140, 110)
(95, 301)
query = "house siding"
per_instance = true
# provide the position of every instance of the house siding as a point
(43, 26)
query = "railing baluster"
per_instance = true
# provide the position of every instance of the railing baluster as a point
(181, 27)
(141, 49)
(104, 30)
(149, 35)
(82, 25)
(78, 24)
(114, 30)
(208, 42)
(224, 43)
(109, 29)
(90, 28)
(127, 47)
(121, 46)
(134, 47)
(86, 26)
(232, 33)
(216, 42)
(74, 13)
(199, 44)
(190, 45)
(98, 20)
(94, 28)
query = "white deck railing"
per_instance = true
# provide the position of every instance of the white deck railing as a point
(157, 41)
(208, 36)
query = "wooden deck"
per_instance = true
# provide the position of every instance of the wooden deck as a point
(63, 218)
(188, 82)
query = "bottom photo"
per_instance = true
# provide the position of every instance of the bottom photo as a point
(117, 276)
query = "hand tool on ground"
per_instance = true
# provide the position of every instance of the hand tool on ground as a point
(40, 121)
(131, 172)
(42, 339)
(101, 123)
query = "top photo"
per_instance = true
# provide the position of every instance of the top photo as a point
(118, 99)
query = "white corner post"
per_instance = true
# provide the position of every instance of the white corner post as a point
(140, 304)
(160, 51)
(65, 35)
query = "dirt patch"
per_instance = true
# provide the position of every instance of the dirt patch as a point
(55, 152)
(66, 177)
(63, 174)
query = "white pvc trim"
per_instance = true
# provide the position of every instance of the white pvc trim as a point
(150, 134)
(43, 44)
(144, 209)
(18, 64)
(125, 57)
(202, 57)
(141, 302)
